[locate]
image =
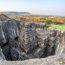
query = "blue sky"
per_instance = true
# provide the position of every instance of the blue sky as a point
(44, 7)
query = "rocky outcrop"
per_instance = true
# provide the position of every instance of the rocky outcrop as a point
(53, 60)
(61, 45)
(2, 57)
(37, 41)
(21, 41)
(9, 38)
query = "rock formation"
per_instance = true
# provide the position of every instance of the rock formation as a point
(9, 35)
(21, 41)
(3, 17)
(53, 60)
(37, 41)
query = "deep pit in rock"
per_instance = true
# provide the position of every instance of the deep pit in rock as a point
(21, 41)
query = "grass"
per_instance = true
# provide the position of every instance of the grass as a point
(56, 25)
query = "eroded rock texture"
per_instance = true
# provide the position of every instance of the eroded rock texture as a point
(38, 41)
(21, 41)
(9, 38)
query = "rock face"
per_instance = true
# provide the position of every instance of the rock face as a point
(9, 38)
(2, 57)
(53, 60)
(37, 41)
(21, 41)
(30, 37)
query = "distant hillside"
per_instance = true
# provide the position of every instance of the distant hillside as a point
(3, 17)
(11, 13)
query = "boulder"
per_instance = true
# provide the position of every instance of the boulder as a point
(10, 28)
(9, 36)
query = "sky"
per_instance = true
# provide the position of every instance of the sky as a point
(43, 7)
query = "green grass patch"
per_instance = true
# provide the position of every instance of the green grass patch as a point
(58, 27)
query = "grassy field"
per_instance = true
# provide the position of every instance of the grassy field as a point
(58, 27)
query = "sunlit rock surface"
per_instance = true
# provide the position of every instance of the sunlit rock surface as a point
(52, 60)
